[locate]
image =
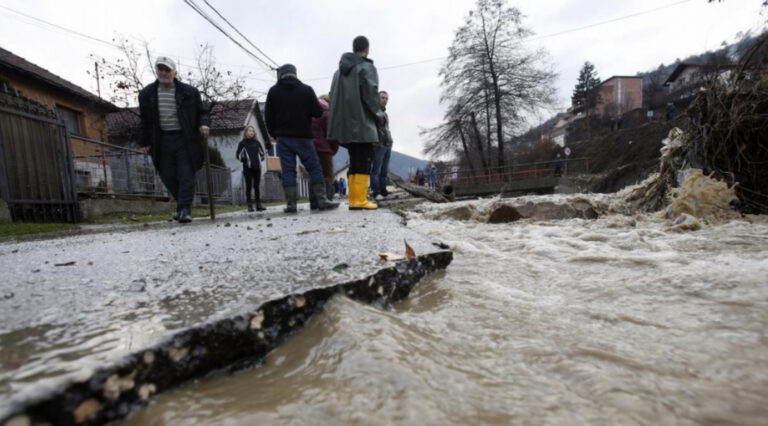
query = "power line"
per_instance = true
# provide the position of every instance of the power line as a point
(77, 33)
(610, 21)
(241, 34)
(596, 24)
(271, 68)
(43, 24)
(201, 12)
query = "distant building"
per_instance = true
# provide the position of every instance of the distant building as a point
(557, 133)
(620, 94)
(688, 77)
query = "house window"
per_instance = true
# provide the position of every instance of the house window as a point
(71, 118)
(83, 178)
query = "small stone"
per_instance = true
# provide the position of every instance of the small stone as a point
(20, 420)
(298, 301)
(15, 251)
(207, 245)
(137, 286)
(87, 410)
(340, 267)
(146, 390)
(90, 262)
(200, 267)
(257, 320)
(227, 225)
(249, 228)
(148, 357)
(269, 225)
(177, 354)
(8, 296)
(115, 385)
(36, 270)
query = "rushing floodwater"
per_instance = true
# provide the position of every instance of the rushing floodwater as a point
(612, 321)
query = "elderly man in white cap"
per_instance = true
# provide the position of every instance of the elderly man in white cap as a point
(174, 126)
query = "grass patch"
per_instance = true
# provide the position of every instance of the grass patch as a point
(155, 217)
(17, 229)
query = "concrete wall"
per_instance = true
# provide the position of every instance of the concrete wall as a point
(98, 207)
(5, 214)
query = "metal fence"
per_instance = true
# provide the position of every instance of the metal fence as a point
(36, 175)
(105, 169)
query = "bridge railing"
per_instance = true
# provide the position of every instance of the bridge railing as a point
(515, 172)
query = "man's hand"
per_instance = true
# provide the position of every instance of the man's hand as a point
(205, 131)
(145, 149)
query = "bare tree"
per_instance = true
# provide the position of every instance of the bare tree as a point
(216, 86)
(490, 73)
(132, 69)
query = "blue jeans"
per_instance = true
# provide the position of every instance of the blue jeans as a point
(288, 149)
(379, 170)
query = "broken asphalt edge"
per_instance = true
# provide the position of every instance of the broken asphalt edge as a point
(241, 341)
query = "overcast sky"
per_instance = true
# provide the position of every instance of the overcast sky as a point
(312, 34)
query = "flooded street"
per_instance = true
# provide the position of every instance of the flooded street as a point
(610, 321)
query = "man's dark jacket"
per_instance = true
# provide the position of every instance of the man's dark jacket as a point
(189, 107)
(291, 105)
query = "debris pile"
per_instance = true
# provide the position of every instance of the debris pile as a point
(729, 128)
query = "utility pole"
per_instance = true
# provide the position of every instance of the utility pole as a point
(98, 83)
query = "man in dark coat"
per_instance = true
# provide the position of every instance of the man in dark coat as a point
(352, 117)
(290, 107)
(382, 152)
(174, 127)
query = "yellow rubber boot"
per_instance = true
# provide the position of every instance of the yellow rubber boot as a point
(358, 193)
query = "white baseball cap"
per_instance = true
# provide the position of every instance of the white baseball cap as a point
(164, 60)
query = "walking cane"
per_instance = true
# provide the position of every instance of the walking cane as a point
(208, 179)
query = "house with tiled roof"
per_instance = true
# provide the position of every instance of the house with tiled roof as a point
(83, 112)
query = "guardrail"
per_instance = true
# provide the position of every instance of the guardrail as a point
(515, 172)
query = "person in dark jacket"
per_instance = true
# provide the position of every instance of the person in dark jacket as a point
(290, 107)
(382, 152)
(325, 149)
(352, 117)
(251, 154)
(174, 126)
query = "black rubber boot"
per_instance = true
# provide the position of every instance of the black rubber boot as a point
(259, 207)
(329, 192)
(250, 206)
(318, 191)
(291, 195)
(312, 201)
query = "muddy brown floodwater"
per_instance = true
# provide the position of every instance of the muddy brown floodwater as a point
(611, 321)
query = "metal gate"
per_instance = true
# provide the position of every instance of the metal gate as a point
(37, 177)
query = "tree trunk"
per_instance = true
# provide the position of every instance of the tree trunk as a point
(464, 144)
(487, 120)
(478, 139)
(499, 124)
